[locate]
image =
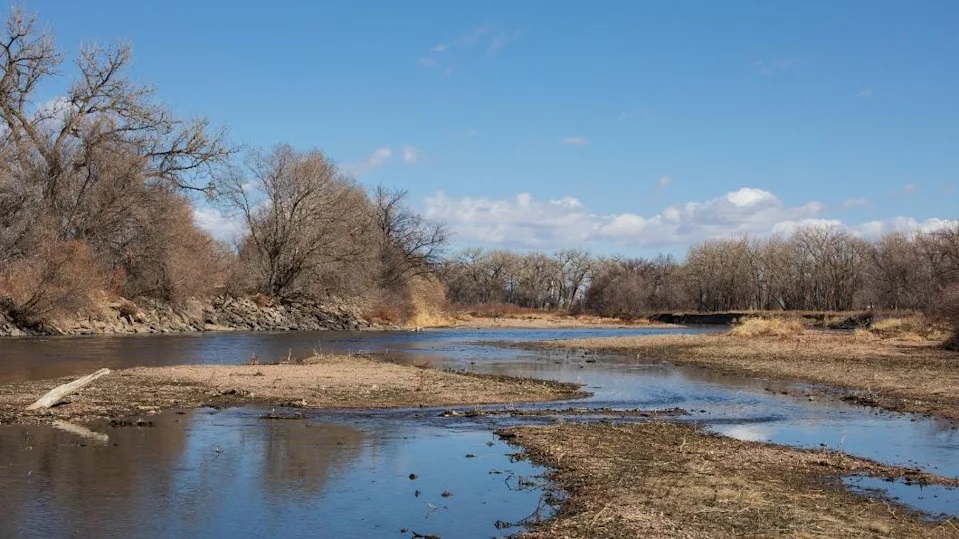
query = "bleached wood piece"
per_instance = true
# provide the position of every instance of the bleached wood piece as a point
(58, 393)
(81, 431)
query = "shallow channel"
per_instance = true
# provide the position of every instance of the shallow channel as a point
(346, 474)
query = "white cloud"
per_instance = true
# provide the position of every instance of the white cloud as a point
(665, 181)
(910, 188)
(576, 141)
(525, 222)
(482, 37)
(501, 40)
(222, 227)
(855, 202)
(378, 158)
(411, 154)
(772, 67)
(864, 93)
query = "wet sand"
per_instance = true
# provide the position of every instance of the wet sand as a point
(673, 480)
(902, 376)
(333, 382)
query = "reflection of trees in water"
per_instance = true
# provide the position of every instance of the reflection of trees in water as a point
(300, 457)
(189, 472)
(52, 485)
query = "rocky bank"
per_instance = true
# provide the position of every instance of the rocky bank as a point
(122, 317)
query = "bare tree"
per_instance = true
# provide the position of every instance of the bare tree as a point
(412, 244)
(101, 106)
(302, 215)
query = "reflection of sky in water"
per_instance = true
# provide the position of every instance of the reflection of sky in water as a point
(934, 500)
(231, 474)
(741, 407)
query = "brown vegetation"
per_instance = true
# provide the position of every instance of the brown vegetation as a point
(897, 375)
(94, 197)
(767, 327)
(318, 382)
(672, 480)
(815, 269)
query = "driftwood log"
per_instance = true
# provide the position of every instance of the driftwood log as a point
(58, 393)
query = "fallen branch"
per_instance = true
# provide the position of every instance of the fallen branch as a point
(58, 393)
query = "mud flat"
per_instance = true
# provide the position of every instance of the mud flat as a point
(903, 376)
(672, 480)
(333, 382)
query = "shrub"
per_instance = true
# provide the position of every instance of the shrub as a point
(59, 280)
(948, 315)
(909, 328)
(767, 327)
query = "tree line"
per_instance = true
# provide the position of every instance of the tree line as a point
(817, 268)
(96, 200)
(97, 185)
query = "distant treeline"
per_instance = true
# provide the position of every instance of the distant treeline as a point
(815, 268)
(96, 188)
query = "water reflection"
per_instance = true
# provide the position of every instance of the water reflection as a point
(224, 473)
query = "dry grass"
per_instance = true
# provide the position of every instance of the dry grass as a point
(672, 480)
(509, 316)
(899, 375)
(327, 382)
(914, 328)
(768, 327)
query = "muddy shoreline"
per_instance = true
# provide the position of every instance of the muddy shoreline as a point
(673, 480)
(901, 376)
(329, 382)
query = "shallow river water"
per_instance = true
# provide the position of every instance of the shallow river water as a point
(207, 473)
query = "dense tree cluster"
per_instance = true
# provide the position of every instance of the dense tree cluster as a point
(95, 191)
(815, 268)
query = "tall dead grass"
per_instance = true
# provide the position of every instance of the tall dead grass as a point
(767, 327)
(913, 328)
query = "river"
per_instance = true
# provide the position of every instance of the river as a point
(348, 473)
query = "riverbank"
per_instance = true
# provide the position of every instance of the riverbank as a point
(543, 320)
(896, 375)
(223, 313)
(673, 480)
(327, 382)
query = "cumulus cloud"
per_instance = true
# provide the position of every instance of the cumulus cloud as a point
(378, 158)
(411, 154)
(576, 141)
(525, 222)
(221, 226)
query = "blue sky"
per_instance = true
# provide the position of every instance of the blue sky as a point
(629, 127)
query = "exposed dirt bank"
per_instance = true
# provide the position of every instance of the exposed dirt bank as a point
(331, 382)
(831, 320)
(904, 376)
(218, 314)
(672, 480)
